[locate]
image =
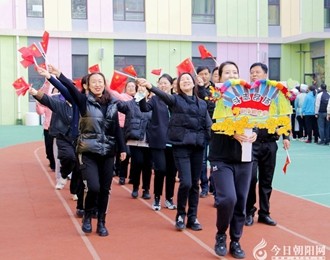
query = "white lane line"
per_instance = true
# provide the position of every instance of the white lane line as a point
(164, 216)
(296, 196)
(302, 236)
(75, 222)
(315, 194)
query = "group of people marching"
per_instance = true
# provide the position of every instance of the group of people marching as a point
(98, 131)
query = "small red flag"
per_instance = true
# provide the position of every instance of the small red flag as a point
(94, 69)
(204, 52)
(118, 82)
(156, 72)
(287, 162)
(27, 61)
(45, 40)
(43, 65)
(28, 53)
(185, 66)
(35, 50)
(130, 70)
(21, 86)
(77, 83)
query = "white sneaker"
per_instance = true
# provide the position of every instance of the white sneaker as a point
(156, 205)
(63, 181)
(74, 197)
(59, 185)
(169, 204)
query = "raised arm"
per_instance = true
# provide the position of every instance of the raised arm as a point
(167, 98)
(78, 97)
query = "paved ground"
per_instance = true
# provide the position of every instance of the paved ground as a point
(38, 222)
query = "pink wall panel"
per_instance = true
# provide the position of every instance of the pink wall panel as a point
(60, 55)
(100, 16)
(243, 54)
(10, 10)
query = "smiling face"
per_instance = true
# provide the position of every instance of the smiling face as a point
(164, 85)
(130, 88)
(229, 71)
(186, 84)
(96, 84)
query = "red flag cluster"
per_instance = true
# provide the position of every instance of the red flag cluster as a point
(21, 86)
(29, 54)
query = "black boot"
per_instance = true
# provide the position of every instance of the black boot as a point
(87, 222)
(101, 229)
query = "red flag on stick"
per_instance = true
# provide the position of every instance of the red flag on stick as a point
(21, 86)
(287, 162)
(185, 66)
(118, 82)
(35, 50)
(204, 52)
(94, 69)
(27, 61)
(44, 41)
(43, 65)
(130, 70)
(28, 54)
(156, 72)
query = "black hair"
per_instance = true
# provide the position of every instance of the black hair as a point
(179, 91)
(168, 77)
(323, 86)
(222, 65)
(216, 68)
(201, 68)
(262, 65)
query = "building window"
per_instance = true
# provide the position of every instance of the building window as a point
(274, 12)
(79, 9)
(326, 13)
(203, 11)
(210, 63)
(35, 8)
(128, 10)
(79, 66)
(319, 71)
(274, 69)
(138, 62)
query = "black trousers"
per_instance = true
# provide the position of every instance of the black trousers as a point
(164, 167)
(97, 173)
(48, 139)
(66, 155)
(188, 161)
(264, 161)
(231, 183)
(311, 127)
(140, 163)
(204, 180)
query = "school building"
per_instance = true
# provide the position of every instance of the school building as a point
(291, 36)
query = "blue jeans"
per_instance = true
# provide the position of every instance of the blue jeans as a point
(324, 127)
